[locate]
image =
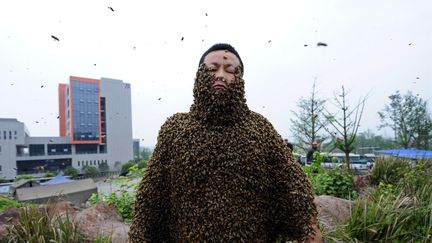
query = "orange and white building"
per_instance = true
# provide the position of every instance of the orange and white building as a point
(95, 127)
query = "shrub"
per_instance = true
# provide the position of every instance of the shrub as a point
(316, 165)
(389, 170)
(103, 167)
(125, 168)
(8, 203)
(90, 171)
(70, 171)
(336, 182)
(392, 217)
(142, 164)
(400, 212)
(123, 199)
(50, 174)
(135, 171)
(418, 176)
(38, 225)
(23, 177)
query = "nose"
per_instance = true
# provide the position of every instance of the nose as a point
(221, 75)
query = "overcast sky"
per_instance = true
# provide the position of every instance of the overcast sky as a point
(381, 46)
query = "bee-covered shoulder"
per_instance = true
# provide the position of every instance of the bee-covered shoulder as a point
(262, 122)
(173, 124)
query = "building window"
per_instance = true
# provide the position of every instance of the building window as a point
(0, 148)
(37, 149)
(102, 149)
(10, 135)
(58, 149)
(86, 148)
(4, 135)
(78, 163)
(84, 113)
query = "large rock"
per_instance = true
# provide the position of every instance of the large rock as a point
(363, 184)
(102, 219)
(332, 210)
(60, 207)
(9, 217)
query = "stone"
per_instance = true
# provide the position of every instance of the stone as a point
(9, 217)
(102, 219)
(332, 210)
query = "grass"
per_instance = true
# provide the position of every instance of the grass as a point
(399, 212)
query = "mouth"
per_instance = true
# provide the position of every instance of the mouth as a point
(219, 86)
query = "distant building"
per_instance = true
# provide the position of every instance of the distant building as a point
(95, 127)
(136, 149)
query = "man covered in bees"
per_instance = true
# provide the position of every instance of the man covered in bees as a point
(221, 172)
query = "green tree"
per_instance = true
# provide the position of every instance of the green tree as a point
(345, 123)
(142, 164)
(409, 119)
(90, 171)
(103, 167)
(70, 171)
(146, 153)
(367, 142)
(308, 121)
(125, 167)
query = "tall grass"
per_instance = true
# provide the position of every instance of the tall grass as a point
(400, 212)
(389, 170)
(42, 224)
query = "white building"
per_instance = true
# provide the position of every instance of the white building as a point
(95, 127)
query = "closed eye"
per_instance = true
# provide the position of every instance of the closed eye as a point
(230, 69)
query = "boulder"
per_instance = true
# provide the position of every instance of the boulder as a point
(332, 210)
(102, 219)
(9, 217)
(61, 207)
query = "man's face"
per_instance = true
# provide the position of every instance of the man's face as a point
(222, 64)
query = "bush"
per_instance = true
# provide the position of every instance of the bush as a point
(50, 174)
(90, 171)
(400, 212)
(122, 200)
(389, 170)
(392, 217)
(8, 203)
(336, 182)
(135, 171)
(70, 171)
(103, 167)
(38, 225)
(125, 168)
(316, 165)
(23, 177)
(142, 164)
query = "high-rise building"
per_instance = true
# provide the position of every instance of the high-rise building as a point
(95, 127)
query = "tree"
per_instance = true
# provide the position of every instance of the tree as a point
(70, 171)
(407, 116)
(308, 122)
(367, 142)
(146, 153)
(103, 167)
(345, 123)
(125, 168)
(90, 171)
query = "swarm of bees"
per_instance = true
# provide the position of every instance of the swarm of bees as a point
(221, 173)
